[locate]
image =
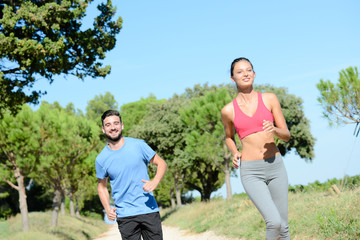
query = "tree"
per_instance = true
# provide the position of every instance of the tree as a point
(81, 171)
(19, 144)
(341, 102)
(133, 113)
(82, 185)
(67, 142)
(205, 145)
(42, 39)
(97, 106)
(163, 130)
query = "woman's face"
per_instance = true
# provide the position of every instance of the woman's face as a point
(243, 74)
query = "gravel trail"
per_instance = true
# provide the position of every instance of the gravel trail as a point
(169, 233)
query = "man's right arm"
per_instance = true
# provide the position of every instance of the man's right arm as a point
(105, 199)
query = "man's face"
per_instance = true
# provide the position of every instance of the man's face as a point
(113, 128)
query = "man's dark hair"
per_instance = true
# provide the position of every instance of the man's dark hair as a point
(109, 113)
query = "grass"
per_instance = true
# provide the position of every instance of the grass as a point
(312, 215)
(68, 228)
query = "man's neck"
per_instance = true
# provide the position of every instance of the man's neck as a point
(116, 145)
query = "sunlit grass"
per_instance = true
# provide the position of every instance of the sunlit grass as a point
(68, 228)
(312, 215)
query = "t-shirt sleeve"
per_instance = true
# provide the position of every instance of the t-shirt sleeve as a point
(100, 172)
(147, 151)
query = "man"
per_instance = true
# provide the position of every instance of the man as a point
(124, 161)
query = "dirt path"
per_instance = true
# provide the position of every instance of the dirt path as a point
(169, 233)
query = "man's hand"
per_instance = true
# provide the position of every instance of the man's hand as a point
(111, 214)
(149, 186)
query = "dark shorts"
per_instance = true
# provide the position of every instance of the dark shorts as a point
(146, 225)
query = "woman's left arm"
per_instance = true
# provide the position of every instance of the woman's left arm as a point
(280, 129)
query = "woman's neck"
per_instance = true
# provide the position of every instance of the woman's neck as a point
(246, 96)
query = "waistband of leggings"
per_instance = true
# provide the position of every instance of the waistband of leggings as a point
(261, 162)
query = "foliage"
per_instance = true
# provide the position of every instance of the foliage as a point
(163, 130)
(71, 169)
(346, 183)
(97, 106)
(92, 204)
(205, 141)
(133, 113)
(200, 90)
(41, 39)
(7, 199)
(33, 144)
(341, 102)
(19, 142)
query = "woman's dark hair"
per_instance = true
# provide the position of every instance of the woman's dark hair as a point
(238, 60)
(109, 113)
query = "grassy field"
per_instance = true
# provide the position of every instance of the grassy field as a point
(312, 215)
(68, 228)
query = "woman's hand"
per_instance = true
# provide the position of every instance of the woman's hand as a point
(268, 126)
(236, 160)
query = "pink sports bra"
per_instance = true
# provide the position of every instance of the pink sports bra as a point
(245, 125)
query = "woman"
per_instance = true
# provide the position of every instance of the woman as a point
(252, 115)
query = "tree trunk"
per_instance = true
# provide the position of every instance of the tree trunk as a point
(22, 199)
(172, 199)
(227, 179)
(177, 191)
(72, 210)
(208, 182)
(205, 196)
(77, 210)
(55, 210)
(227, 158)
(62, 206)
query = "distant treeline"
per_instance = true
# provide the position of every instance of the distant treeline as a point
(346, 183)
(47, 155)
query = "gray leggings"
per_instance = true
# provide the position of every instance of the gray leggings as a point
(266, 184)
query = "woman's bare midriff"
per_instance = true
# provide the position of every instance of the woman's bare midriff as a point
(258, 146)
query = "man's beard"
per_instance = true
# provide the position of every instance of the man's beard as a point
(114, 139)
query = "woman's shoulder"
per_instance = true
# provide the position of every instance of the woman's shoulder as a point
(228, 108)
(269, 96)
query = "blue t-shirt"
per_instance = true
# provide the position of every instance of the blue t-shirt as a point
(125, 168)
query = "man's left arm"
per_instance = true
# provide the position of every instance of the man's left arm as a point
(151, 185)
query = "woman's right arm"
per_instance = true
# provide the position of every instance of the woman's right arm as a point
(226, 117)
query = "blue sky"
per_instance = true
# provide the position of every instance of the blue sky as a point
(165, 47)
